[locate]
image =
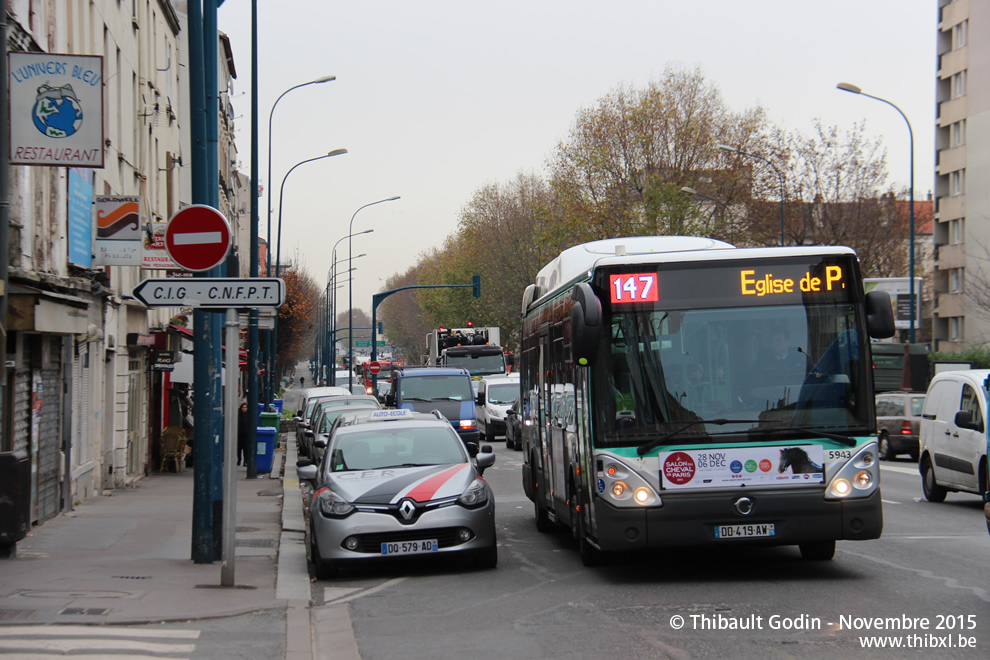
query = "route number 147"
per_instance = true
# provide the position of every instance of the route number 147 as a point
(634, 287)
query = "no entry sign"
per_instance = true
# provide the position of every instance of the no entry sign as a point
(374, 367)
(197, 238)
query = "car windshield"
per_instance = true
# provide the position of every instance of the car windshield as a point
(388, 446)
(917, 403)
(330, 415)
(478, 364)
(503, 394)
(435, 388)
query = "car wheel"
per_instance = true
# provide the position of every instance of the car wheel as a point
(487, 558)
(933, 492)
(489, 433)
(518, 442)
(817, 551)
(322, 570)
(885, 454)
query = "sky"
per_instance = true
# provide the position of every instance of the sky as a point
(434, 100)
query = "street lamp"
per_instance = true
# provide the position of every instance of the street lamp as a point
(732, 225)
(333, 269)
(726, 147)
(268, 251)
(350, 288)
(853, 89)
(278, 254)
(333, 304)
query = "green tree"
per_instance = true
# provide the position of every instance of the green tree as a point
(298, 320)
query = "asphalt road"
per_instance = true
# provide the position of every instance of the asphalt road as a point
(926, 578)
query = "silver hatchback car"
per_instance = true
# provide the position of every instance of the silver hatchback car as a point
(397, 485)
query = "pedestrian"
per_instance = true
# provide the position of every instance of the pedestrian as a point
(242, 433)
(302, 381)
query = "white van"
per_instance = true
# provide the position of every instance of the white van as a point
(954, 434)
(495, 395)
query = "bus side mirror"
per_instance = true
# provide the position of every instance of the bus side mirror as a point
(586, 324)
(879, 315)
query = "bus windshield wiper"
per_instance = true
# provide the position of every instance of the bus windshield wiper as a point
(642, 449)
(844, 439)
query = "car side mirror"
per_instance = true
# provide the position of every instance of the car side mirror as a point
(484, 461)
(308, 473)
(510, 411)
(964, 420)
(390, 400)
(472, 448)
(480, 399)
(320, 442)
(308, 433)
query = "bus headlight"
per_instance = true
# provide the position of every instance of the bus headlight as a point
(858, 477)
(624, 486)
(839, 488)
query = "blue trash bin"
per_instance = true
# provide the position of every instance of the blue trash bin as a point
(278, 405)
(266, 448)
(261, 409)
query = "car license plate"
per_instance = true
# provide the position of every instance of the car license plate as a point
(410, 547)
(744, 531)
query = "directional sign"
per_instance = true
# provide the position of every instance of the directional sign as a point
(197, 238)
(362, 342)
(212, 292)
(374, 367)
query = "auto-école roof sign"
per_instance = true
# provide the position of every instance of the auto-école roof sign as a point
(56, 109)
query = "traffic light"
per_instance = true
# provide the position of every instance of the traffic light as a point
(476, 285)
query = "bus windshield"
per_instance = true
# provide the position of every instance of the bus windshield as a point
(703, 370)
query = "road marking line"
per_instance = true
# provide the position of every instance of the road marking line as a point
(368, 592)
(901, 470)
(101, 631)
(888, 501)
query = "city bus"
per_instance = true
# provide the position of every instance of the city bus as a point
(679, 391)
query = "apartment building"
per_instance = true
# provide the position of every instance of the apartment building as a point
(961, 317)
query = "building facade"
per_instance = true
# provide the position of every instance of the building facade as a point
(961, 317)
(83, 395)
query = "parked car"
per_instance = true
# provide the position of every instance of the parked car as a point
(307, 401)
(324, 422)
(495, 395)
(513, 425)
(347, 399)
(898, 423)
(954, 434)
(447, 389)
(397, 485)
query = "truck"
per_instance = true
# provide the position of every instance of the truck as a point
(476, 349)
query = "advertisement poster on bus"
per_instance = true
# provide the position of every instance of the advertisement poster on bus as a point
(750, 466)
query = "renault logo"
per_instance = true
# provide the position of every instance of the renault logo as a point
(744, 505)
(407, 509)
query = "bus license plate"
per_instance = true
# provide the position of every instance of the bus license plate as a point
(744, 531)
(410, 547)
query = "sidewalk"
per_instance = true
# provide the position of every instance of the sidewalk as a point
(125, 557)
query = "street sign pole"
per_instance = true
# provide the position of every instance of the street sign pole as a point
(230, 449)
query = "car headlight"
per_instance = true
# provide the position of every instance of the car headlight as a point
(475, 496)
(333, 505)
(468, 424)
